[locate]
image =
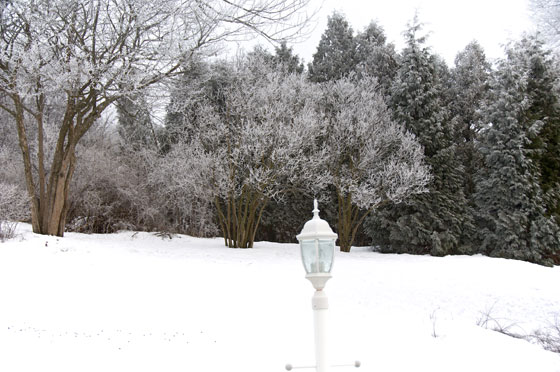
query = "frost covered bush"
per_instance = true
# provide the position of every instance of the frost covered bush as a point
(181, 195)
(109, 191)
(549, 338)
(103, 188)
(117, 187)
(14, 207)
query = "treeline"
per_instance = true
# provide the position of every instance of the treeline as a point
(405, 153)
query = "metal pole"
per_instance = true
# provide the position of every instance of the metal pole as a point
(320, 304)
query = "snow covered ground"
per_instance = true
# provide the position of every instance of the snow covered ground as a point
(138, 302)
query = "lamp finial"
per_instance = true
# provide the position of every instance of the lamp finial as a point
(315, 209)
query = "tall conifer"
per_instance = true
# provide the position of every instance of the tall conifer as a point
(375, 57)
(434, 222)
(336, 53)
(470, 86)
(513, 219)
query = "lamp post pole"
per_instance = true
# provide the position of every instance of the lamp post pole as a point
(320, 304)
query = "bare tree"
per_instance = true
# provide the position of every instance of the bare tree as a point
(86, 54)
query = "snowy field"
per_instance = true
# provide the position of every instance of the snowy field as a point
(137, 302)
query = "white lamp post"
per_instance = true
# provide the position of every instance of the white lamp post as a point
(316, 241)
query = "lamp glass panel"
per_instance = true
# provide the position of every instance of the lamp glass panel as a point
(309, 255)
(326, 255)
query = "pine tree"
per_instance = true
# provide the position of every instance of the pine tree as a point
(135, 122)
(542, 78)
(436, 222)
(375, 57)
(336, 54)
(284, 56)
(470, 85)
(512, 212)
(200, 82)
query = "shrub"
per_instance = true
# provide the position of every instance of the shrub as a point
(14, 207)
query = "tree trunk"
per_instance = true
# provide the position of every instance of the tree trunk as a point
(57, 200)
(51, 207)
(349, 220)
(241, 219)
(24, 146)
(49, 198)
(344, 222)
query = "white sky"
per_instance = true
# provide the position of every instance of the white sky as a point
(452, 24)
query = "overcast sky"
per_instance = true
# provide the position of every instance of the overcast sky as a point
(451, 24)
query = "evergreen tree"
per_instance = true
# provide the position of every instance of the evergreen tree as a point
(542, 78)
(470, 85)
(284, 56)
(135, 122)
(437, 222)
(512, 212)
(199, 83)
(375, 57)
(336, 54)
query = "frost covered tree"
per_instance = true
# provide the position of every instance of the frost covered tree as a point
(512, 213)
(243, 147)
(205, 83)
(417, 92)
(336, 53)
(85, 55)
(367, 158)
(282, 59)
(546, 14)
(433, 222)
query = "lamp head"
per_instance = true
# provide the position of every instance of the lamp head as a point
(316, 242)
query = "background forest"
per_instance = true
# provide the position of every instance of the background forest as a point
(404, 152)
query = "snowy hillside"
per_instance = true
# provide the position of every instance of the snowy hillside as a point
(138, 302)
